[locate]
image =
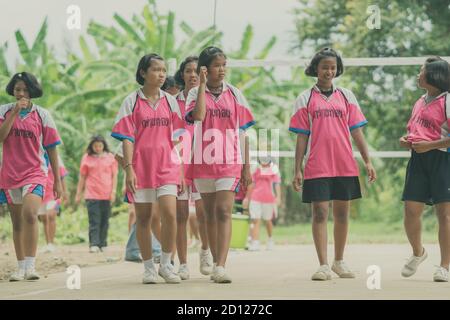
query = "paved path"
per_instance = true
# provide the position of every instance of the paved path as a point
(280, 274)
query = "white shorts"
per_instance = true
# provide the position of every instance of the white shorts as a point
(151, 195)
(51, 205)
(214, 185)
(259, 210)
(188, 194)
(15, 196)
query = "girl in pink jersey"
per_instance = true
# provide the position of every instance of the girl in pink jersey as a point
(98, 182)
(50, 207)
(264, 197)
(188, 78)
(224, 115)
(27, 131)
(428, 172)
(326, 117)
(148, 123)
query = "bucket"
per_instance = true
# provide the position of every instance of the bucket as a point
(239, 225)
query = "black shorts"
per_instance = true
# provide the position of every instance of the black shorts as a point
(335, 188)
(428, 177)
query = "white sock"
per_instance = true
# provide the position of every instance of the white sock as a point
(148, 264)
(204, 252)
(29, 262)
(165, 258)
(21, 264)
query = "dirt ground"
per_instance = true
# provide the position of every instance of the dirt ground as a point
(58, 261)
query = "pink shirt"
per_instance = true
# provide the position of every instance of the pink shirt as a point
(217, 150)
(430, 122)
(153, 130)
(264, 181)
(186, 140)
(99, 172)
(48, 195)
(328, 122)
(24, 149)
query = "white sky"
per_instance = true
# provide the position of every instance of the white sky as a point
(268, 17)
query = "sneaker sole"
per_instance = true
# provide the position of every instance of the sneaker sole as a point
(149, 282)
(15, 280)
(317, 278)
(34, 278)
(222, 280)
(440, 280)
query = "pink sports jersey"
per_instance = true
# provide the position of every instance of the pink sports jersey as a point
(186, 140)
(430, 122)
(152, 129)
(48, 195)
(264, 181)
(217, 151)
(328, 122)
(99, 172)
(24, 149)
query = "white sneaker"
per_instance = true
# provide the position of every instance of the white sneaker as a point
(411, 265)
(19, 275)
(150, 276)
(322, 274)
(254, 246)
(31, 274)
(183, 272)
(206, 264)
(270, 244)
(221, 276)
(440, 275)
(342, 270)
(94, 249)
(51, 247)
(168, 275)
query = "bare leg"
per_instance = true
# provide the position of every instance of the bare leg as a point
(443, 212)
(340, 214)
(31, 204)
(224, 207)
(143, 233)
(209, 202)
(413, 225)
(182, 219)
(201, 221)
(18, 229)
(319, 229)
